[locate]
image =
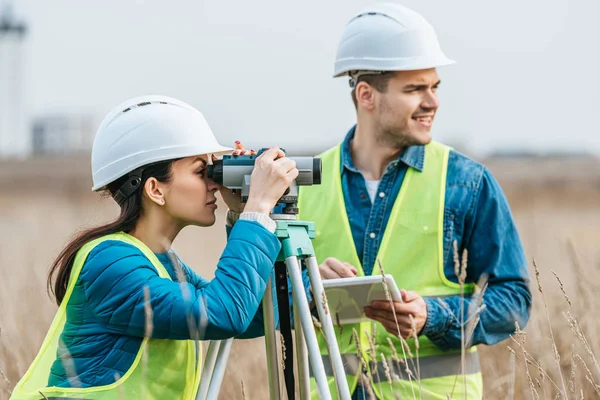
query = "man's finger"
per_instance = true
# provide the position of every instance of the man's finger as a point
(400, 308)
(340, 268)
(386, 316)
(351, 267)
(328, 273)
(393, 329)
(409, 296)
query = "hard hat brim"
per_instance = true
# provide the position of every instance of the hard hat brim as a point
(218, 150)
(343, 67)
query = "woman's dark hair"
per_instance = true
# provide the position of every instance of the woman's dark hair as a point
(131, 209)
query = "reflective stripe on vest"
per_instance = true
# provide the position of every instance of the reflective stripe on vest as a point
(412, 251)
(430, 367)
(162, 369)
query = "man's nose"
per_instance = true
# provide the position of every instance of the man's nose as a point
(430, 101)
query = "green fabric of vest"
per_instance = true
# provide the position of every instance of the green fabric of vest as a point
(412, 252)
(162, 369)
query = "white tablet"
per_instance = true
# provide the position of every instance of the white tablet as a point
(347, 297)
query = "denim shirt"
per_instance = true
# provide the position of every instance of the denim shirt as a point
(476, 216)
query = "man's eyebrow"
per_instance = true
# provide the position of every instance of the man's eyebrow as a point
(421, 86)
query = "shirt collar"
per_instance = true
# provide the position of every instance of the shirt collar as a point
(413, 156)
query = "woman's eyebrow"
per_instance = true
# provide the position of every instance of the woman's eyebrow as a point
(201, 160)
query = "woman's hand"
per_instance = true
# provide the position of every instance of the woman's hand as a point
(233, 198)
(273, 173)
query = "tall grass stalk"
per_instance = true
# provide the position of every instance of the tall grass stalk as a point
(511, 386)
(576, 328)
(402, 341)
(397, 362)
(120, 389)
(460, 270)
(388, 375)
(68, 364)
(365, 382)
(554, 348)
(589, 376)
(528, 358)
(520, 336)
(373, 353)
(149, 328)
(5, 379)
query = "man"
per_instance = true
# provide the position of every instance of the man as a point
(393, 196)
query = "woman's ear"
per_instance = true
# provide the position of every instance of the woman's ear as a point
(155, 191)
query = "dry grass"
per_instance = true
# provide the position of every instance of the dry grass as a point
(558, 219)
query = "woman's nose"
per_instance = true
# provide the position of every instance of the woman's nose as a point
(212, 185)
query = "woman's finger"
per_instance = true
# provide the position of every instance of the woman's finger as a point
(285, 164)
(271, 154)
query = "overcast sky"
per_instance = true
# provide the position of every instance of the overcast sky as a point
(261, 71)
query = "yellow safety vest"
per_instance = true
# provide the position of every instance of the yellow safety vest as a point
(412, 251)
(162, 369)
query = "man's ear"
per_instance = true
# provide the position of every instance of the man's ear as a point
(365, 95)
(155, 191)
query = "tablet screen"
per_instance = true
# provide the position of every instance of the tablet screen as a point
(347, 297)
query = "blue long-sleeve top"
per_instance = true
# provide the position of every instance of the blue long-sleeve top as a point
(476, 216)
(105, 314)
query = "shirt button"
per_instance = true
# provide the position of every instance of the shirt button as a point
(381, 194)
(372, 235)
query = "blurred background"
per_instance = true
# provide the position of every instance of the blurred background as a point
(522, 99)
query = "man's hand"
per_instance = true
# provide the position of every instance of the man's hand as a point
(333, 268)
(413, 304)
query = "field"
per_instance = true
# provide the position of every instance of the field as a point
(556, 203)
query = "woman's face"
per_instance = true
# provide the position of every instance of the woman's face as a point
(190, 195)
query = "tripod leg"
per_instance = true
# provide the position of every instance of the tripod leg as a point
(285, 327)
(328, 330)
(308, 329)
(221, 365)
(271, 342)
(208, 368)
(302, 357)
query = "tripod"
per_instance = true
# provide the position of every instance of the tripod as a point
(296, 240)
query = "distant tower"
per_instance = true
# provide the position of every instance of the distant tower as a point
(15, 136)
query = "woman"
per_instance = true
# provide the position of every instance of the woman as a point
(127, 306)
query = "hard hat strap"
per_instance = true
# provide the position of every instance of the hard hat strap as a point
(131, 185)
(355, 75)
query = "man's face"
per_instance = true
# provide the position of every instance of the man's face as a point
(405, 111)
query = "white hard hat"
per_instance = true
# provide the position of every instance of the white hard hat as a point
(145, 130)
(388, 37)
